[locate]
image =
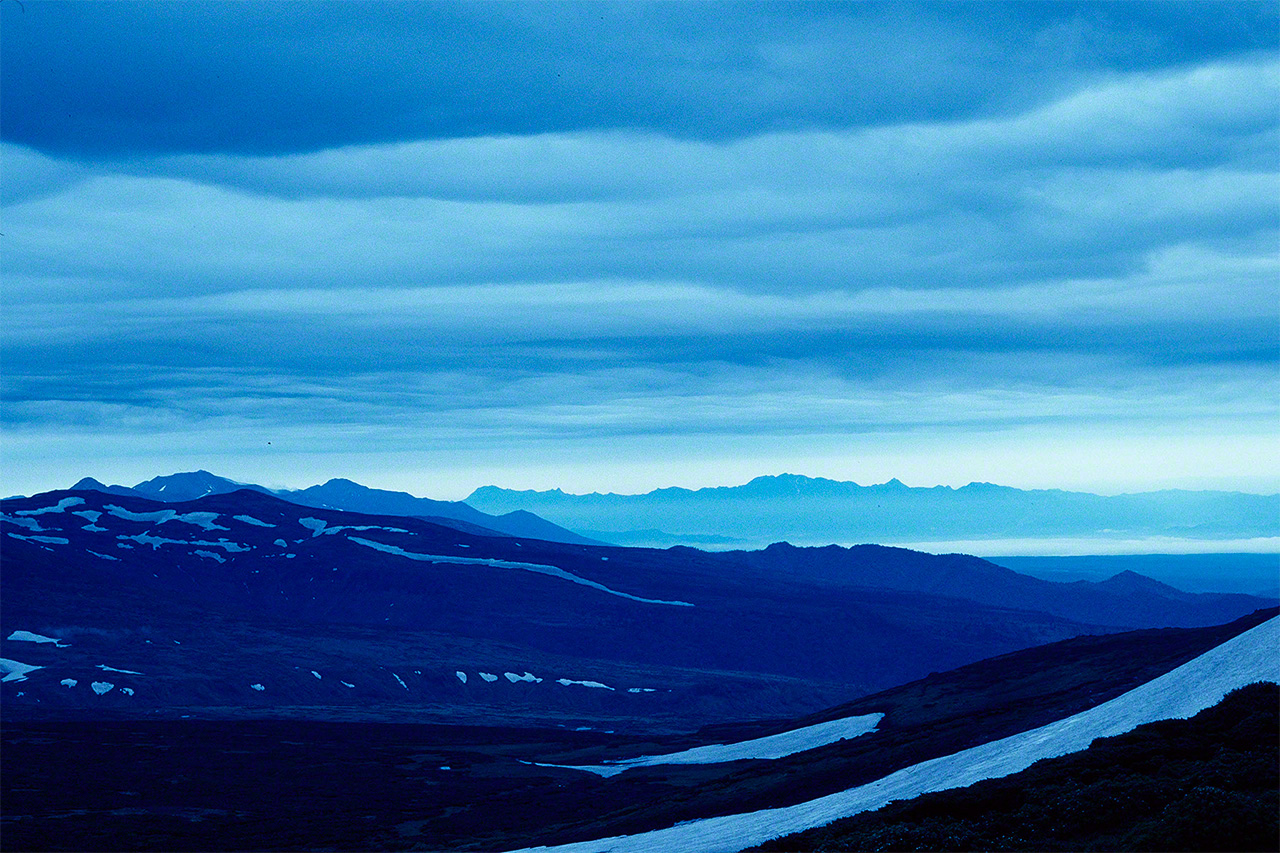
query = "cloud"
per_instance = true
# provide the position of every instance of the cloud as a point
(543, 226)
(93, 79)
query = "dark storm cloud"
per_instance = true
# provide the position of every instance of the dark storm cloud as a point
(102, 79)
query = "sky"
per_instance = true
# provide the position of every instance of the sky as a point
(614, 247)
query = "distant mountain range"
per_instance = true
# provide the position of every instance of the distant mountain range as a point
(347, 495)
(817, 511)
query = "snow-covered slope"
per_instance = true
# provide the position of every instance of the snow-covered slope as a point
(770, 747)
(1185, 691)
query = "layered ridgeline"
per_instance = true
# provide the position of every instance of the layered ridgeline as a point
(816, 511)
(347, 495)
(243, 603)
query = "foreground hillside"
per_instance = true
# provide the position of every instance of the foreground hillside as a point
(294, 784)
(1207, 783)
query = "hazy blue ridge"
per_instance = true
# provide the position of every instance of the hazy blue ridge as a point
(350, 496)
(815, 510)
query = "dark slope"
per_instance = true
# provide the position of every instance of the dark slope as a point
(261, 784)
(1206, 783)
(349, 496)
(1128, 599)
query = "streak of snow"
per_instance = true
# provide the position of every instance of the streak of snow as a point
(64, 504)
(641, 690)
(538, 568)
(316, 674)
(462, 676)
(249, 519)
(90, 515)
(101, 687)
(1198, 684)
(105, 668)
(319, 527)
(27, 523)
(93, 528)
(346, 684)
(488, 676)
(771, 747)
(567, 681)
(28, 637)
(156, 541)
(105, 556)
(15, 671)
(209, 555)
(48, 540)
(161, 516)
(401, 680)
(68, 682)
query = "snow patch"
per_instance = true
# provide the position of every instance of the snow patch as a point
(316, 674)
(12, 670)
(257, 687)
(101, 687)
(319, 527)
(68, 682)
(128, 691)
(528, 676)
(1198, 684)
(64, 504)
(47, 540)
(462, 676)
(567, 681)
(89, 515)
(249, 519)
(28, 637)
(488, 676)
(764, 748)
(537, 568)
(26, 523)
(281, 543)
(156, 541)
(203, 520)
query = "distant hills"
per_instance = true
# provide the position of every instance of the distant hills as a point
(190, 604)
(347, 495)
(818, 511)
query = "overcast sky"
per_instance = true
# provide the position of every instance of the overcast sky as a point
(433, 246)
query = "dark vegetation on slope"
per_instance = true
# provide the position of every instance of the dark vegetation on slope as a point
(1207, 783)
(293, 784)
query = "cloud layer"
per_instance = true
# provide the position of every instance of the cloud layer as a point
(508, 228)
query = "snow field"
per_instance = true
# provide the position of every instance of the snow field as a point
(1181, 693)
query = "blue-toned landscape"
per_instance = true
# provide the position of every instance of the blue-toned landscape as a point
(630, 426)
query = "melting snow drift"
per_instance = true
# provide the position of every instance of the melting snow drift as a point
(1182, 693)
